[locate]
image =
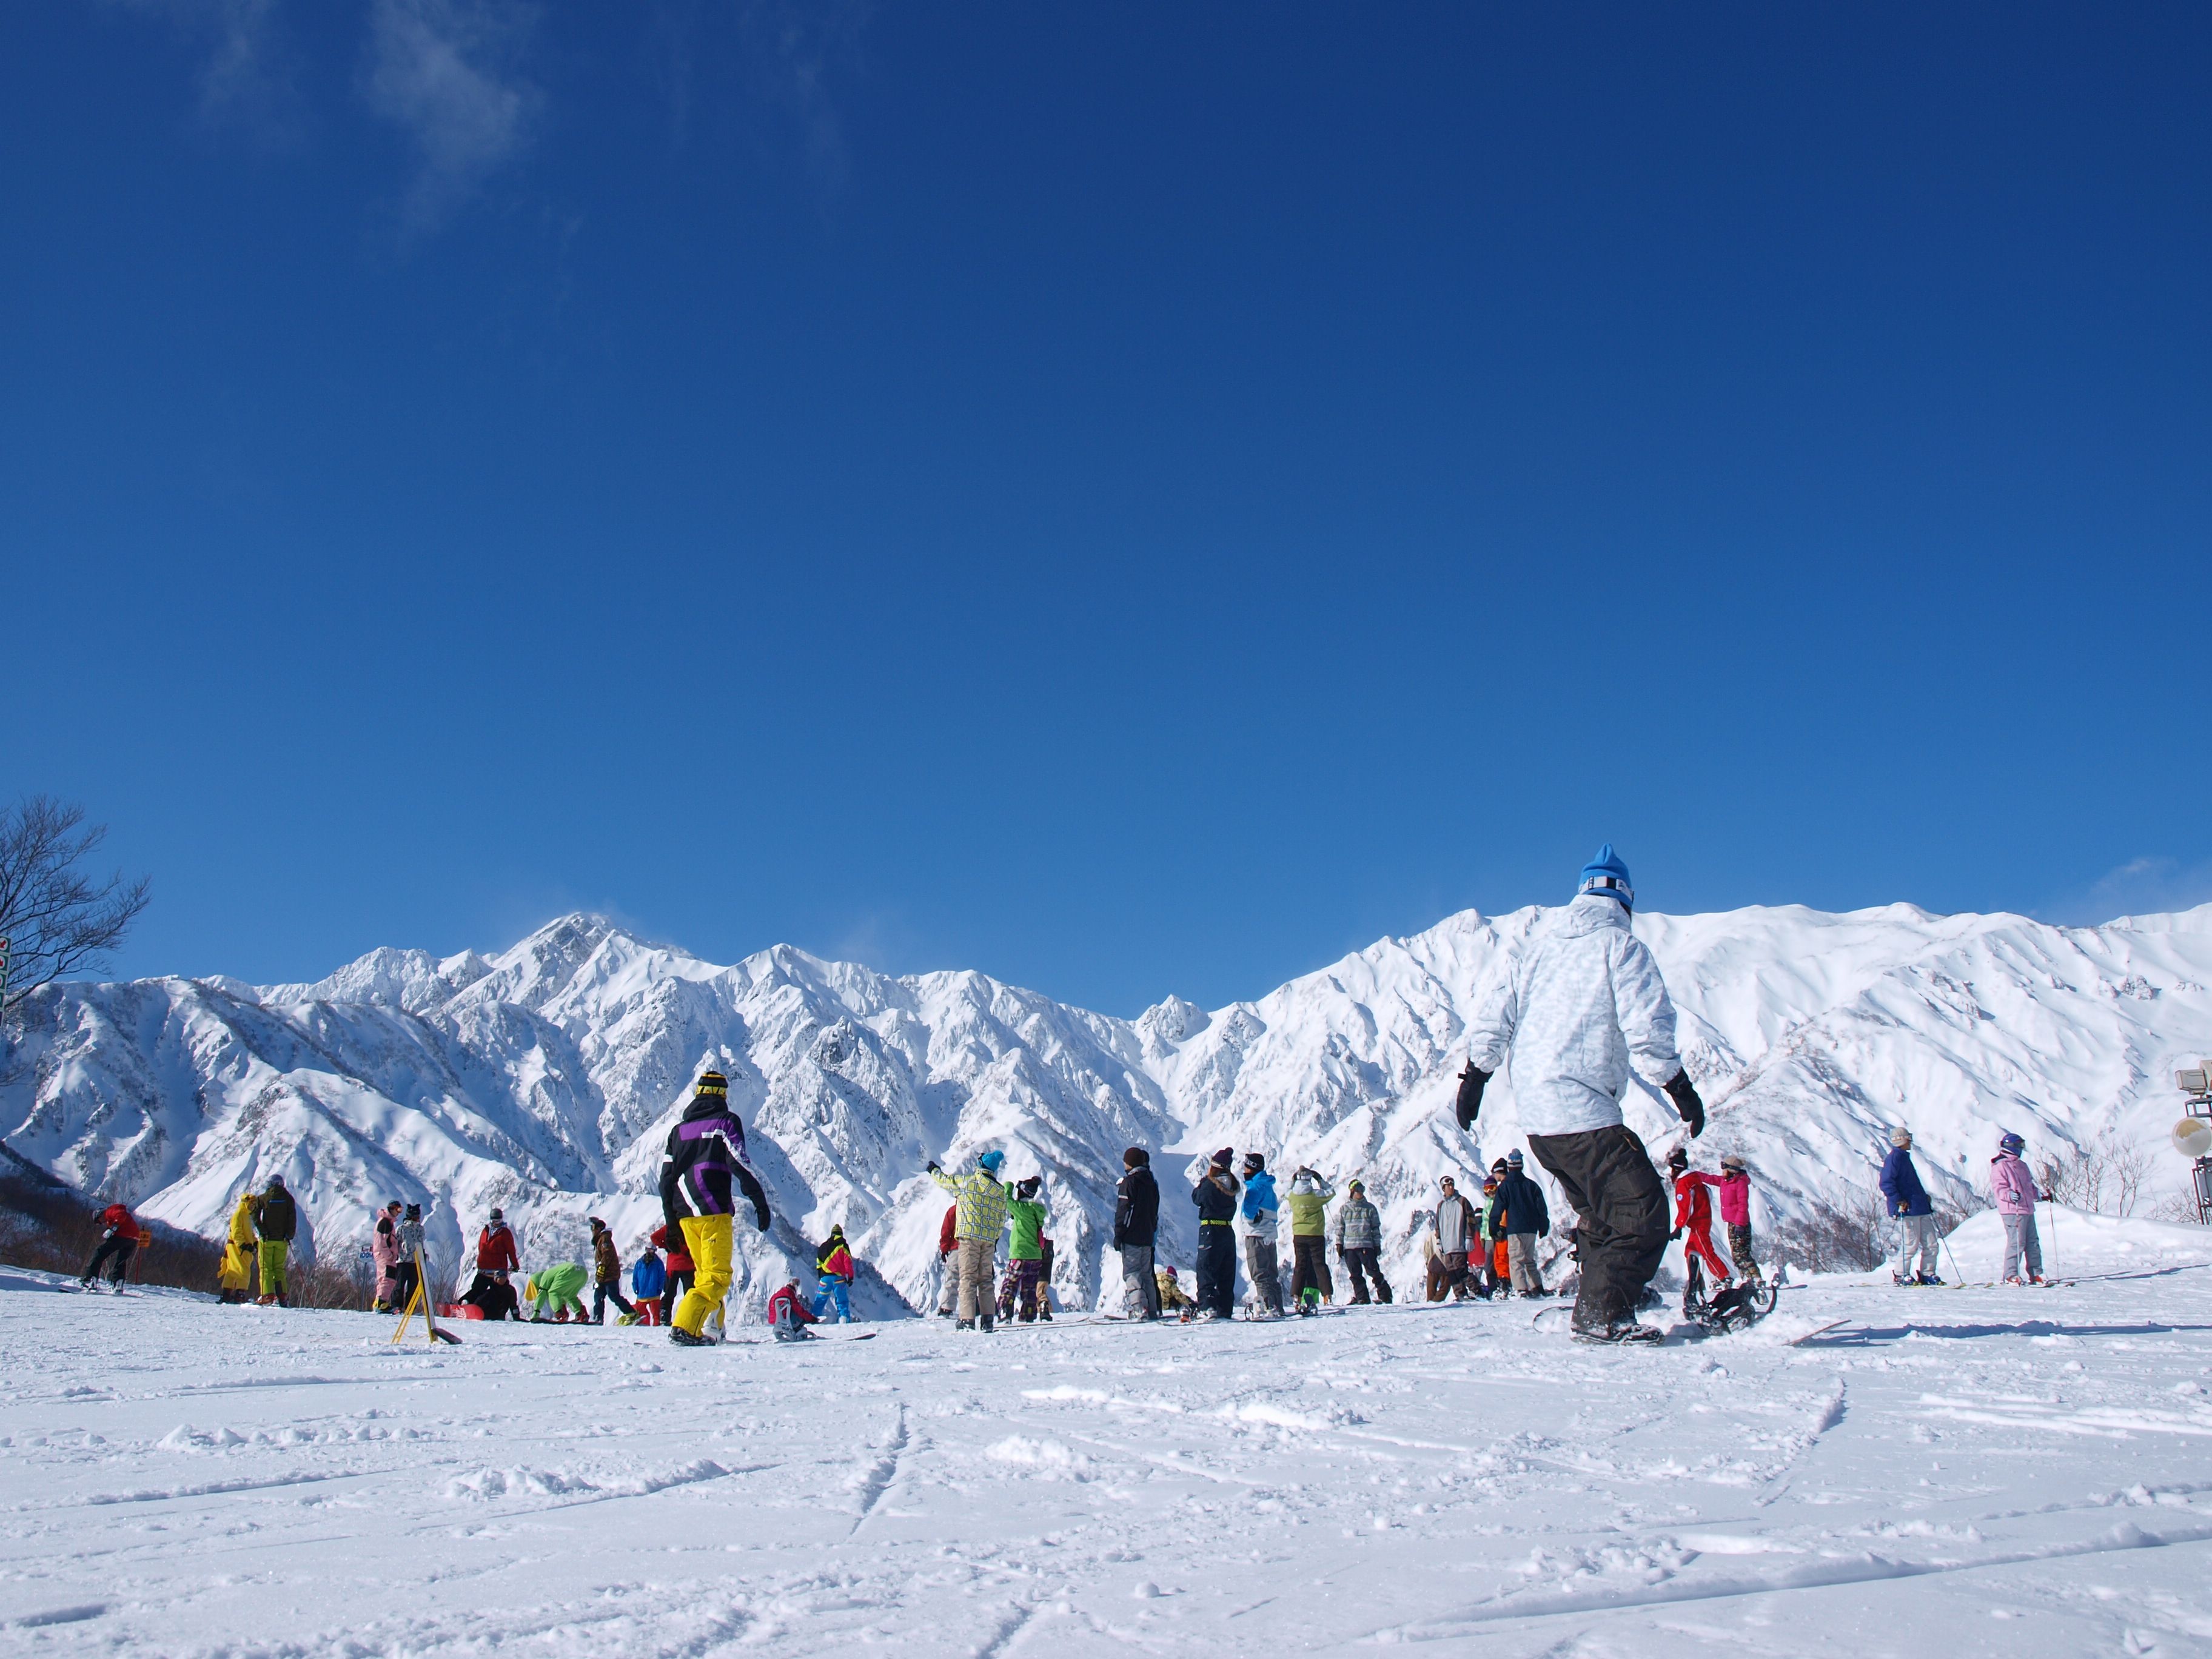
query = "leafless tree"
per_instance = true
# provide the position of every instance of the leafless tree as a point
(2108, 1174)
(55, 919)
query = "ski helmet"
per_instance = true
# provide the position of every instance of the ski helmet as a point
(2012, 1144)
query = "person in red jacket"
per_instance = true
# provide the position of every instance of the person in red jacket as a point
(680, 1271)
(788, 1316)
(116, 1245)
(948, 1250)
(495, 1259)
(1693, 1210)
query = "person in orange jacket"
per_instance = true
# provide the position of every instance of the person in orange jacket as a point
(117, 1244)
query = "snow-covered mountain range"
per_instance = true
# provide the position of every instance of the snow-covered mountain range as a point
(544, 1080)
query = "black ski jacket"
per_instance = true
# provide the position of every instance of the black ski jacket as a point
(706, 1152)
(1522, 1201)
(1216, 1197)
(1136, 1209)
(276, 1217)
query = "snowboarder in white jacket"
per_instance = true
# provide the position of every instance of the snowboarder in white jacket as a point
(1578, 1007)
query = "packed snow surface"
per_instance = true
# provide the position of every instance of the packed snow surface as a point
(1954, 1471)
(544, 1080)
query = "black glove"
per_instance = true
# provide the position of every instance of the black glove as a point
(1470, 1094)
(760, 1216)
(932, 1166)
(1684, 1094)
(1677, 1233)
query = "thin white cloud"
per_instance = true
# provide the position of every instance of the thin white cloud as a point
(795, 45)
(445, 73)
(2141, 887)
(245, 78)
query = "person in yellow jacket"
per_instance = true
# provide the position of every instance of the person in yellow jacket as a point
(982, 1218)
(1307, 1203)
(236, 1273)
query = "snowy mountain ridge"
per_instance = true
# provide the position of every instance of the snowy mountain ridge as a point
(545, 1078)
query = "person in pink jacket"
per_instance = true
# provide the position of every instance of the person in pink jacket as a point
(2013, 1188)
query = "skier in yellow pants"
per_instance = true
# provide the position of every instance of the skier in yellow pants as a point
(706, 1153)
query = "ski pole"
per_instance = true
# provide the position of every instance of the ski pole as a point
(2050, 1265)
(1958, 1275)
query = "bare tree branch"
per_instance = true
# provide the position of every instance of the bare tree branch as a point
(56, 921)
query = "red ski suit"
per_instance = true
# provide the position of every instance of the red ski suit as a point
(1693, 1210)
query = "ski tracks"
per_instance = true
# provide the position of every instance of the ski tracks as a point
(877, 1476)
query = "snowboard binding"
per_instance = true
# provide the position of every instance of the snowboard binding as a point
(1733, 1306)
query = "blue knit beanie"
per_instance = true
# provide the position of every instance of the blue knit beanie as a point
(991, 1161)
(1606, 874)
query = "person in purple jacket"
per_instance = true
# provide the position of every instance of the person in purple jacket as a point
(2013, 1188)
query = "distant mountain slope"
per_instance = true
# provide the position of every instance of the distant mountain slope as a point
(545, 1078)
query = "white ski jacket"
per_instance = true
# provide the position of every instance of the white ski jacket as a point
(1580, 1003)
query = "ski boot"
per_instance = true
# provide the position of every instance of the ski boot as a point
(1618, 1331)
(683, 1338)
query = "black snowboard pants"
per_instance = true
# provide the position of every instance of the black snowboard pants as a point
(1362, 1262)
(1617, 1195)
(1309, 1266)
(115, 1249)
(1216, 1268)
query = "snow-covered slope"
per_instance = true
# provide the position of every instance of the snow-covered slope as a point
(543, 1080)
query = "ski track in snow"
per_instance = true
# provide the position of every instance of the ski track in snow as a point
(1952, 1471)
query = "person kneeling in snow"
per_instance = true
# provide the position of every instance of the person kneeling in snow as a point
(787, 1317)
(557, 1290)
(1577, 1009)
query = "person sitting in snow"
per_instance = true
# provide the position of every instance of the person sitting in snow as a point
(833, 1266)
(1173, 1297)
(787, 1317)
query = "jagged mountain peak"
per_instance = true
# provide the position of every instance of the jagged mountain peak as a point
(545, 1076)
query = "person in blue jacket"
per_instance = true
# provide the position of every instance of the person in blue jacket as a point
(648, 1278)
(1259, 1210)
(1904, 1197)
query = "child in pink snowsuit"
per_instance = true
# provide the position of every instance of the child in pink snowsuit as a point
(2013, 1188)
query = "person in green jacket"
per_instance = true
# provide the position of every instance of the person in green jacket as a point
(558, 1291)
(1309, 1206)
(1024, 1283)
(982, 1218)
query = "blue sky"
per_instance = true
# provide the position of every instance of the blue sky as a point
(1132, 499)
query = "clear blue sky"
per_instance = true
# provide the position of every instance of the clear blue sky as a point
(1132, 499)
